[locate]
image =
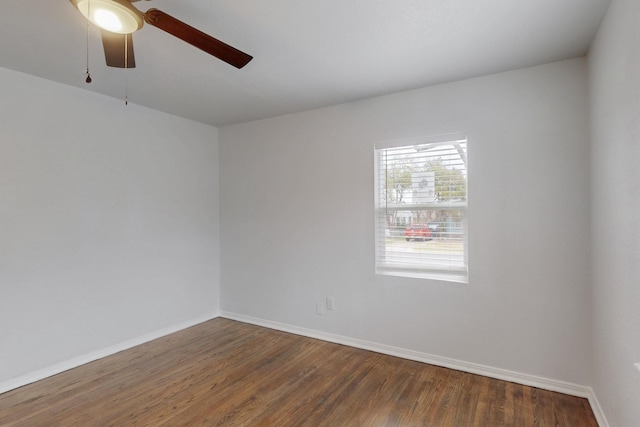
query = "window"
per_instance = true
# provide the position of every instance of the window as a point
(421, 208)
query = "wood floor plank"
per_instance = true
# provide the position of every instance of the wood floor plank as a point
(226, 373)
(514, 405)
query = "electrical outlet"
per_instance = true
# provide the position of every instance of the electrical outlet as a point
(331, 303)
(637, 365)
(319, 308)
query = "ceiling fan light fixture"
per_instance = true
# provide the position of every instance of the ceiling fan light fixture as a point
(117, 16)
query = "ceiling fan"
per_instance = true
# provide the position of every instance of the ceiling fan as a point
(118, 19)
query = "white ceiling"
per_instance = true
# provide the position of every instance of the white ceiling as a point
(307, 54)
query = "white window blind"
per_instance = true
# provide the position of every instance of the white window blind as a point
(421, 208)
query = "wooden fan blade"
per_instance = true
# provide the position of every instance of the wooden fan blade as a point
(114, 49)
(197, 38)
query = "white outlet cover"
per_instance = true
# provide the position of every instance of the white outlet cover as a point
(637, 365)
(330, 303)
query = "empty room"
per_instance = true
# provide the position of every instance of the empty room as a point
(324, 213)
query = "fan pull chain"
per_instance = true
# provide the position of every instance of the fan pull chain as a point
(88, 79)
(126, 67)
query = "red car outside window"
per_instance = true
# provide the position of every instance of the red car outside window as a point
(417, 232)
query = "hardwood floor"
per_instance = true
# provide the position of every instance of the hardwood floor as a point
(227, 373)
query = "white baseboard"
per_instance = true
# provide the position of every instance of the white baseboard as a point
(459, 365)
(597, 410)
(98, 354)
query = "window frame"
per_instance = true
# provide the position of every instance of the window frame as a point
(434, 272)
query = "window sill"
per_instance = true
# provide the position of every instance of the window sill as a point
(456, 277)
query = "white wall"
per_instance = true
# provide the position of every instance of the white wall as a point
(108, 223)
(297, 222)
(614, 76)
